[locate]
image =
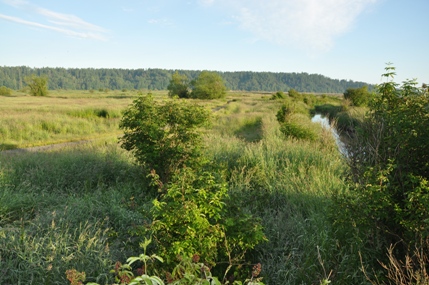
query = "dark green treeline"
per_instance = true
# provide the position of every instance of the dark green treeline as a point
(158, 79)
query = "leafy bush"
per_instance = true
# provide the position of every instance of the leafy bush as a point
(278, 95)
(358, 96)
(163, 138)
(4, 91)
(294, 94)
(284, 113)
(195, 217)
(389, 201)
(188, 271)
(296, 131)
(187, 218)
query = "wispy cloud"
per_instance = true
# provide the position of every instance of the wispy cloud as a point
(67, 24)
(16, 3)
(60, 30)
(311, 24)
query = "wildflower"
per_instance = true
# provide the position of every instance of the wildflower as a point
(195, 258)
(75, 277)
(256, 270)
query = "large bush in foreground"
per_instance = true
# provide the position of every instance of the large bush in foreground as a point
(195, 216)
(163, 136)
(389, 202)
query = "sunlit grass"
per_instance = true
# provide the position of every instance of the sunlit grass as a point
(61, 116)
(95, 191)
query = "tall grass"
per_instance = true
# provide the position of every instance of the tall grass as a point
(73, 208)
(63, 116)
(288, 184)
(79, 207)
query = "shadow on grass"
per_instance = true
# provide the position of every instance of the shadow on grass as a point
(251, 131)
(7, 146)
(328, 110)
(344, 121)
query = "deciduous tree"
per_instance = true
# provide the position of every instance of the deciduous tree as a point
(208, 85)
(179, 86)
(38, 85)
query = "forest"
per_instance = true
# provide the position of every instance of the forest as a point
(158, 79)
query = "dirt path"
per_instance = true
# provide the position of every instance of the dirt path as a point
(67, 144)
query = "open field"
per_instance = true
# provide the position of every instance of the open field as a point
(80, 206)
(65, 116)
(62, 116)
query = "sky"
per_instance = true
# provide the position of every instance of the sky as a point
(340, 39)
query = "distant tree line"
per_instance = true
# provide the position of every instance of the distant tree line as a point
(159, 79)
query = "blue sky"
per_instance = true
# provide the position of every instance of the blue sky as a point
(341, 39)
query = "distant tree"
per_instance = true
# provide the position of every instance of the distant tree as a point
(117, 79)
(38, 85)
(208, 85)
(358, 96)
(179, 86)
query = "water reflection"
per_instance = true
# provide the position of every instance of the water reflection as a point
(324, 121)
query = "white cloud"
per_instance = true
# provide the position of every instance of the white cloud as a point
(312, 24)
(75, 26)
(16, 3)
(83, 35)
(68, 20)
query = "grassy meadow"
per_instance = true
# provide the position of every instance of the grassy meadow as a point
(78, 207)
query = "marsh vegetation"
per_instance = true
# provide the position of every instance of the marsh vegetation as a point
(90, 206)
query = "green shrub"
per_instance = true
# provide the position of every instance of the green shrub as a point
(296, 131)
(294, 94)
(284, 113)
(4, 91)
(358, 96)
(278, 95)
(388, 157)
(195, 217)
(163, 138)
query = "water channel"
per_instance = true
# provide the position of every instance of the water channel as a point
(324, 121)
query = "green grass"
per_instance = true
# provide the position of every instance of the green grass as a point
(61, 116)
(80, 206)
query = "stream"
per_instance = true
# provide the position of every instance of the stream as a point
(324, 121)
